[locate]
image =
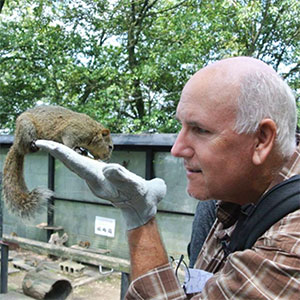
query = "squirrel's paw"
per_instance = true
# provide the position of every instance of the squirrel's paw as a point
(34, 147)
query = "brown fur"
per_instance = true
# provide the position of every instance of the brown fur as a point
(50, 123)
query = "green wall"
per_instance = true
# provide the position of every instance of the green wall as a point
(36, 174)
(76, 207)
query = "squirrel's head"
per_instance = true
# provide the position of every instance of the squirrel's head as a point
(101, 146)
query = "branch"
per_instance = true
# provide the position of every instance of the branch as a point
(265, 14)
(127, 114)
(284, 48)
(291, 71)
(141, 16)
(3, 59)
(87, 91)
(171, 8)
(264, 41)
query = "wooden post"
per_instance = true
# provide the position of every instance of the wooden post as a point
(118, 264)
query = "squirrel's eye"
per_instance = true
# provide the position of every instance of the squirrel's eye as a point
(105, 132)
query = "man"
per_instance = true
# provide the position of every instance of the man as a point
(238, 132)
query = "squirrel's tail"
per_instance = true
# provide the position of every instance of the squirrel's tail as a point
(14, 190)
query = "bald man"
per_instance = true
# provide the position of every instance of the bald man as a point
(237, 142)
(238, 145)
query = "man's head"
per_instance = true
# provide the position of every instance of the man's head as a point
(238, 124)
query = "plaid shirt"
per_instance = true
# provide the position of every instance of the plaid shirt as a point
(269, 270)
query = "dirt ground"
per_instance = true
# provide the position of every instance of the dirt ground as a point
(89, 285)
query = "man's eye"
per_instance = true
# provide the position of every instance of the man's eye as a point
(199, 130)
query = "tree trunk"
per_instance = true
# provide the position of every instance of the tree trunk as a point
(1, 5)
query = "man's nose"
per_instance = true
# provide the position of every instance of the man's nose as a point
(181, 147)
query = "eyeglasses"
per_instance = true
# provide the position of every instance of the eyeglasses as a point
(182, 272)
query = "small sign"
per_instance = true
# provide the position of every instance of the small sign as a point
(105, 226)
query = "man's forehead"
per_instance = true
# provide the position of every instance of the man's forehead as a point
(207, 111)
(203, 95)
(192, 111)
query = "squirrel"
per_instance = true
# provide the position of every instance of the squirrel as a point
(48, 122)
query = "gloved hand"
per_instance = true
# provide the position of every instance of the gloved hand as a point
(138, 198)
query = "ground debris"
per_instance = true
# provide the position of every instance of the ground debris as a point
(90, 284)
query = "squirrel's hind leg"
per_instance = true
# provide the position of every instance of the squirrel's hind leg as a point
(26, 135)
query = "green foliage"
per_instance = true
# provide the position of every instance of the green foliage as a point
(125, 62)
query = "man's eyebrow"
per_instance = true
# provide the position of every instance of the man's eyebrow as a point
(192, 123)
(195, 124)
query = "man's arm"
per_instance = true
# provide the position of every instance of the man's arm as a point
(146, 249)
(151, 274)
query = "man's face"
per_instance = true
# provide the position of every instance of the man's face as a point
(217, 160)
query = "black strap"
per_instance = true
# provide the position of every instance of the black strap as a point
(255, 220)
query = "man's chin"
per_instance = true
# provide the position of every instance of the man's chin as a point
(199, 195)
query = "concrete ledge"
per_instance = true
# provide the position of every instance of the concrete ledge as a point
(147, 139)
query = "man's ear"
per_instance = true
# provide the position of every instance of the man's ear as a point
(264, 141)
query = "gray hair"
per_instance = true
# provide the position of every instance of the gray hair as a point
(266, 95)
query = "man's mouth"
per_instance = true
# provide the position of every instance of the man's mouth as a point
(192, 169)
(189, 170)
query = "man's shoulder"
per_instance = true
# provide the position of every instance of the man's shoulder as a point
(283, 236)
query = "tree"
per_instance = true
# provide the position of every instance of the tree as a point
(126, 62)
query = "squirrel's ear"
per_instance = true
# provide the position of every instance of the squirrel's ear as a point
(105, 132)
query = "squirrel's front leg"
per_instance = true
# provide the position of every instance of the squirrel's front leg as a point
(34, 147)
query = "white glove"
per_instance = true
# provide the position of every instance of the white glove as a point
(138, 198)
